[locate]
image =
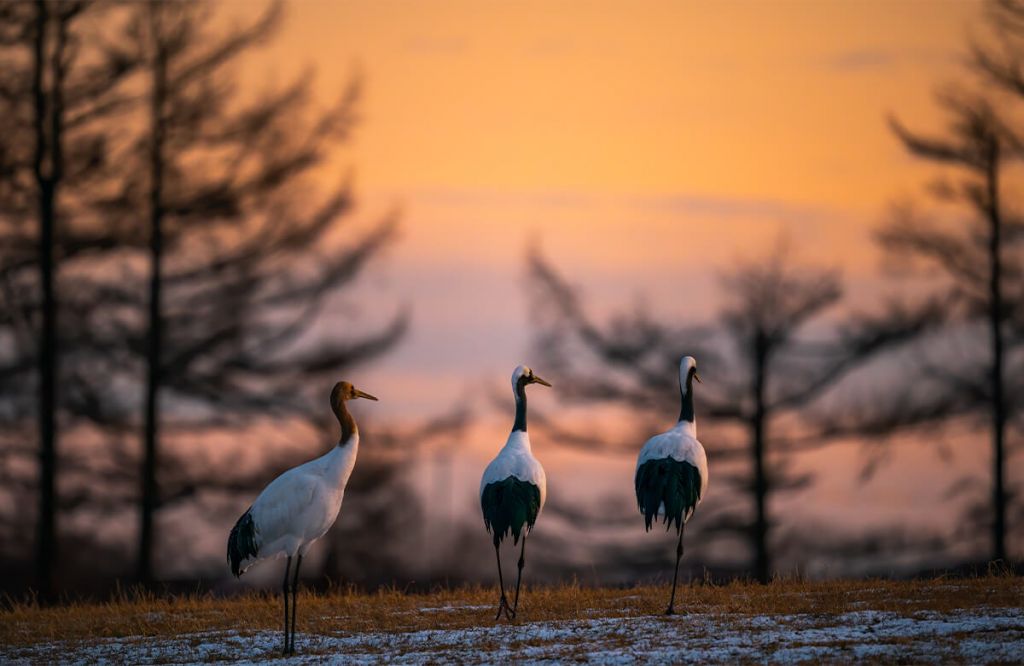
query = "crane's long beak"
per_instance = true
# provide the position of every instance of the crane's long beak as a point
(697, 377)
(540, 381)
(363, 394)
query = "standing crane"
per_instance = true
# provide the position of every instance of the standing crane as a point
(672, 470)
(513, 488)
(298, 507)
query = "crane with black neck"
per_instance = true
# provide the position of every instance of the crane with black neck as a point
(672, 470)
(513, 488)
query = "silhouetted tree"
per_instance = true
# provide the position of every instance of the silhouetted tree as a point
(241, 257)
(202, 243)
(54, 91)
(979, 256)
(763, 367)
(999, 59)
(971, 238)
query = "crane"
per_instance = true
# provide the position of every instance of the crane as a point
(298, 507)
(672, 470)
(513, 488)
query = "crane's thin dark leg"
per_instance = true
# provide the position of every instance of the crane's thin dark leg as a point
(284, 595)
(519, 578)
(503, 604)
(679, 555)
(295, 598)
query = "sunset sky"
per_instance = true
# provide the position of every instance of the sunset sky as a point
(643, 146)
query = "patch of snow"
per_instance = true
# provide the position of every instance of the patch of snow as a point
(452, 609)
(977, 635)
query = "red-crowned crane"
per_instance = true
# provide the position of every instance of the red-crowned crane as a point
(672, 470)
(513, 488)
(298, 507)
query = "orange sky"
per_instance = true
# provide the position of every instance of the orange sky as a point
(644, 145)
(752, 99)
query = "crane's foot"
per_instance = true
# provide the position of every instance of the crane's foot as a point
(504, 607)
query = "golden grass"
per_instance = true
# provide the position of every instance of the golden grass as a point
(343, 612)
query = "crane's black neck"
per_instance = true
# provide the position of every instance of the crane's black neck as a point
(348, 424)
(686, 397)
(520, 391)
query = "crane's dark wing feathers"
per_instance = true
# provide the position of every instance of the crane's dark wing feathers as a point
(242, 542)
(674, 483)
(508, 505)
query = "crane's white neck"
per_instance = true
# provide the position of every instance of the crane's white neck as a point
(340, 461)
(687, 428)
(518, 439)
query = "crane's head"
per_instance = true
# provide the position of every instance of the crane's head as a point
(688, 370)
(525, 375)
(345, 391)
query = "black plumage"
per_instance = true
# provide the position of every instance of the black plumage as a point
(673, 482)
(242, 542)
(508, 505)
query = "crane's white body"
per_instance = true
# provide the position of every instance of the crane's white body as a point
(516, 459)
(298, 507)
(680, 443)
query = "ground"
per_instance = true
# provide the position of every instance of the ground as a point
(965, 620)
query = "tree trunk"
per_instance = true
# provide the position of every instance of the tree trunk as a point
(762, 565)
(47, 174)
(996, 378)
(150, 489)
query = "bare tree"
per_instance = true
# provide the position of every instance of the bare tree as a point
(241, 259)
(765, 367)
(54, 89)
(979, 258)
(999, 58)
(202, 244)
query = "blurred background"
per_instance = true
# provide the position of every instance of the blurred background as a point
(212, 212)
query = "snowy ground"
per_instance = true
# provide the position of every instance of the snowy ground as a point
(974, 636)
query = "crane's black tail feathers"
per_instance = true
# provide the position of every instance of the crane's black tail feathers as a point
(508, 505)
(242, 542)
(674, 483)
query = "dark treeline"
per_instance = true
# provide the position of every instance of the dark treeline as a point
(169, 251)
(165, 261)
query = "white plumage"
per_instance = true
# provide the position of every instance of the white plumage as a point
(671, 475)
(516, 459)
(680, 443)
(513, 488)
(298, 507)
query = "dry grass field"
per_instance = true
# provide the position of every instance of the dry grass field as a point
(978, 620)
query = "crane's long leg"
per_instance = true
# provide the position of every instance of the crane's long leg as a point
(503, 604)
(679, 555)
(295, 598)
(284, 595)
(519, 578)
